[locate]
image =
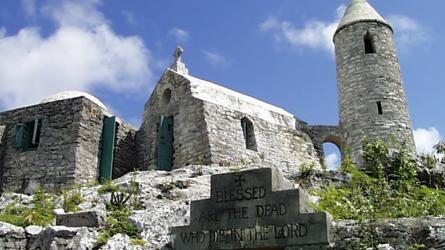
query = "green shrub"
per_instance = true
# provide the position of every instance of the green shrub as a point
(71, 200)
(41, 212)
(306, 169)
(14, 214)
(117, 222)
(387, 189)
(108, 187)
(121, 209)
(138, 242)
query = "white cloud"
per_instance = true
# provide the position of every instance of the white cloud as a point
(426, 139)
(129, 17)
(332, 161)
(82, 54)
(409, 33)
(314, 34)
(180, 35)
(214, 58)
(29, 6)
(77, 13)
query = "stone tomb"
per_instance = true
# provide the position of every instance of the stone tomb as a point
(254, 209)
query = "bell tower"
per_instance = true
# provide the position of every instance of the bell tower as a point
(370, 85)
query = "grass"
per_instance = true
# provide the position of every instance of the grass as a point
(40, 213)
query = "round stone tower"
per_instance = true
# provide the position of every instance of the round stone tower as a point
(370, 85)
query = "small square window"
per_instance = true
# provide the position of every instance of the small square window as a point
(27, 135)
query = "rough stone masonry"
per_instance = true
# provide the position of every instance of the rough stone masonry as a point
(188, 120)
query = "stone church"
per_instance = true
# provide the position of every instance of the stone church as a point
(73, 138)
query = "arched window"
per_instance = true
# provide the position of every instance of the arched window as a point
(369, 45)
(249, 133)
(166, 96)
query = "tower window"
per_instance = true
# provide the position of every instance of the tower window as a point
(379, 108)
(369, 46)
(249, 134)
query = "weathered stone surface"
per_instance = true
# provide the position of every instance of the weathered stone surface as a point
(81, 219)
(384, 247)
(432, 176)
(69, 147)
(84, 240)
(252, 209)
(321, 134)
(366, 79)
(32, 233)
(398, 234)
(207, 127)
(317, 179)
(166, 200)
(12, 237)
(8, 198)
(53, 237)
(33, 230)
(124, 149)
(121, 242)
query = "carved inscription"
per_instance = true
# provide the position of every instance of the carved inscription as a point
(244, 212)
(261, 233)
(240, 194)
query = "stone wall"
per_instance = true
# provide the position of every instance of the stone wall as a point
(88, 148)
(124, 149)
(399, 234)
(69, 147)
(365, 79)
(2, 151)
(207, 127)
(278, 145)
(190, 143)
(52, 163)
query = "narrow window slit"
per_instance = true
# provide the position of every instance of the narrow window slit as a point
(369, 46)
(379, 108)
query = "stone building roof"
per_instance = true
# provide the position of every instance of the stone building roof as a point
(217, 94)
(73, 94)
(360, 10)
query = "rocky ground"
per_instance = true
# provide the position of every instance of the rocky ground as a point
(165, 199)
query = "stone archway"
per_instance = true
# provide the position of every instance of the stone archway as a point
(327, 134)
(337, 141)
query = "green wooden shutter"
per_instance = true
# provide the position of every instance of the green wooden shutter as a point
(108, 135)
(165, 147)
(19, 133)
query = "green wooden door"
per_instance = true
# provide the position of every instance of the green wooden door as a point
(165, 146)
(106, 161)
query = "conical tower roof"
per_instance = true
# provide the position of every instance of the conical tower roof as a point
(359, 11)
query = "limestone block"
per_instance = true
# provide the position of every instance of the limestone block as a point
(81, 219)
(12, 237)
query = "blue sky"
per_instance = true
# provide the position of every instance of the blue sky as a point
(277, 51)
